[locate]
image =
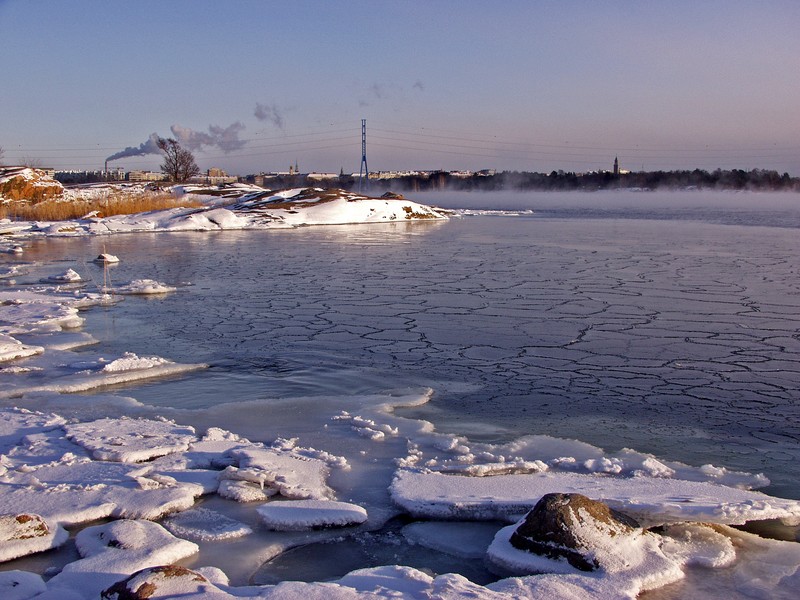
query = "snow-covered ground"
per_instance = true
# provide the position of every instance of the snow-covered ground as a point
(245, 207)
(67, 461)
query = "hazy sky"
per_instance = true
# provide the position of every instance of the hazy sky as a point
(522, 85)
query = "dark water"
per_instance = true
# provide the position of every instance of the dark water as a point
(676, 335)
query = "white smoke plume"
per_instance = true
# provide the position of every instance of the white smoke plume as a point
(224, 138)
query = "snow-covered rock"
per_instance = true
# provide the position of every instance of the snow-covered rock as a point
(113, 551)
(25, 533)
(28, 184)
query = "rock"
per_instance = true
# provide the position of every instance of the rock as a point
(155, 582)
(24, 183)
(27, 533)
(569, 526)
(22, 527)
(393, 196)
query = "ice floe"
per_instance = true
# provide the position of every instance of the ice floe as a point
(11, 348)
(652, 500)
(68, 276)
(203, 524)
(142, 287)
(299, 515)
(106, 258)
(130, 440)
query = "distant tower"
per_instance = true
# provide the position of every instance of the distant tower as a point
(616, 165)
(363, 170)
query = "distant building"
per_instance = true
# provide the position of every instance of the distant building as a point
(322, 176)
(146, 176)
(215, 176)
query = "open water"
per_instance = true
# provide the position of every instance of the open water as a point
(663, 323)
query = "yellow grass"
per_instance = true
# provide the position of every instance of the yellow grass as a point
(114, 204)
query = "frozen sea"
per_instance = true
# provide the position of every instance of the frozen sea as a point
(664, 323)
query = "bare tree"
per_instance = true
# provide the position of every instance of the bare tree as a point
(179, 164)
(34, 162)
(2, 152)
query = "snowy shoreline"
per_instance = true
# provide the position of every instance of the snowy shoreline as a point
(248, 207)
(147, 468)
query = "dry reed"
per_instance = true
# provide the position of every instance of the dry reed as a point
(112, 204)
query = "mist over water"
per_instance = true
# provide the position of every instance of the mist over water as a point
(670, 335)
(730, 208)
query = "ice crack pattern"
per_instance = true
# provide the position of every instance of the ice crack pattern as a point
(627, 332)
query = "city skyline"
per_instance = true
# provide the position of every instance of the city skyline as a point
(534, 86)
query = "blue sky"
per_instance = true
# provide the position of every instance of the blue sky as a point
(521, 85)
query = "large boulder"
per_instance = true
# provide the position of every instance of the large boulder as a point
(27, 184)
(570, 526)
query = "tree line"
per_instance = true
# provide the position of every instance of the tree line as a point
(719, 179)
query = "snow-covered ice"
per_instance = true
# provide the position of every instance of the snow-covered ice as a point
(105, 258)
(651, 500)
(142, 287)
(299, 515)
(68, 276)
(130, 440)
(202, 524)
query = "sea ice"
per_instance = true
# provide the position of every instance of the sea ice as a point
(106, 258)
(111, 552)
(459, 538)
(130, 440)
(143, 287)
(96, 374)
(68, 276)
(80, 490)
(204, 525)
(20, 585)
(291, 475)
(650, 500)
(300, 515)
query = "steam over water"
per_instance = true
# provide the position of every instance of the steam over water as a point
(667, 324)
